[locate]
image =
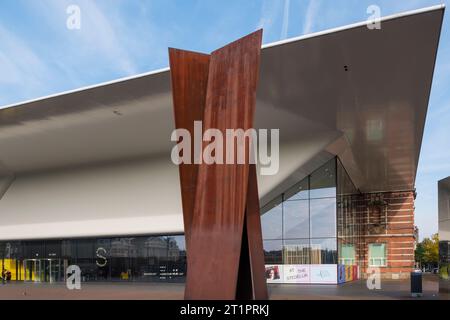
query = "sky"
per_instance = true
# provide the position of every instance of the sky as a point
(40, 56)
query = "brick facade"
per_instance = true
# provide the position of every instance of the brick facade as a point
(388, 218)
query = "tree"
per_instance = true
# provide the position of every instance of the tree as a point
(427, 252)
(419, 254)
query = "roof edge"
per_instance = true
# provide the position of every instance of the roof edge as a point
(269, 45)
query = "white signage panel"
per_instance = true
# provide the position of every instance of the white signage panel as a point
(323, 273)
(297, 273)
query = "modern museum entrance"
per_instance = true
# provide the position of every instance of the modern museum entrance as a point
(43, 270)
(140, 258)
(33, 270)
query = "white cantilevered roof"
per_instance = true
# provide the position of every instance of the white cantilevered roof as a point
(368, 89)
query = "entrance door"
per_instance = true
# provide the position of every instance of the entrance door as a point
(53, 270)
(43, 270)
(33, 270)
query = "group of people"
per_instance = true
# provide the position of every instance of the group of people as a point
(6, 275)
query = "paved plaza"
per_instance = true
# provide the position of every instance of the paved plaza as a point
(390, 289)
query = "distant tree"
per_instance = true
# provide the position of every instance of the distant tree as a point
(427, 252)
(419, 254)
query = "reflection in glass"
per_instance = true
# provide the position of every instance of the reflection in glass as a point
(377, 254)
(296, 251)
(345, 185)
(272, 222)
(323, 251)
(323, 181)
(299, 191)
(323, 217)
(296, 219)
(155, 258)
(272, 251)
(347, 254)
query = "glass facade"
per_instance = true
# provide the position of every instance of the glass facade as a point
(309, 232)
(313, 224)
(303, 221)
(299, 227)
(152, 258)
(348, 228)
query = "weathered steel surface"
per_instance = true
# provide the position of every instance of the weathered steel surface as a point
(254, 237)
(225, 254)
(189, 71)
(251, 279)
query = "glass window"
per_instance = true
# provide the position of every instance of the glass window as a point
(299, 191)
(176, 261)
(127, 259)
(323, 181)
(377, 254)
(103, 262)
(345, 185)
(272, 222)
(53, 249)
(11, 250)
(296, 251)
(155, 253)
(296, 219)
(34, 249)
(347, 254)
(323, 251)
(272, 251)
(86, 259)
(323, 217)
(68, 249)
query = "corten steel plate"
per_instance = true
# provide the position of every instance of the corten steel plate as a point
(225, 257)
(189, 72)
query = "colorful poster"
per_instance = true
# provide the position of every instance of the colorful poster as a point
(341, 273)
(297, 273)
(349, 273)
(355, 272)
(274, 273)
(324, 273)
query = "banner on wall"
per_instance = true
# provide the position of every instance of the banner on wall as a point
(323, 273)
(297, 273)
(274, 273)
(341, 273)
(349, 273)
(355, 272)
(302, 273)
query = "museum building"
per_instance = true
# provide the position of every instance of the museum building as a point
(86, 176)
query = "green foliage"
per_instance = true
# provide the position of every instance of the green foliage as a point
(427, 252)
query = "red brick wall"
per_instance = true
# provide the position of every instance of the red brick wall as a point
(388, 218)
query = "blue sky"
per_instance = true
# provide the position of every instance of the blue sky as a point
(40, 56)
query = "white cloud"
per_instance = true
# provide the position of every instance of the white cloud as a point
(285, 26)
(18, 63)
(270, 11)
(23, 73)
(311, 14)
(98, 33)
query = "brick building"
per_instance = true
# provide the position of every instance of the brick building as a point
(387, 221)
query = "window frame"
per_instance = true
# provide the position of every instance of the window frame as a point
(383, 260)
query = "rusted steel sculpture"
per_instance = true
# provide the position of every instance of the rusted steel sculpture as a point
(220, 201)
